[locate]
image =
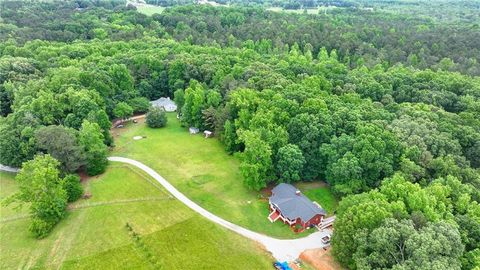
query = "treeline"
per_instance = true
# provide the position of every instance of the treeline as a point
(359, 36)
(67, 21)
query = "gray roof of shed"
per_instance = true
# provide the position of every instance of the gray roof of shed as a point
(294, 205)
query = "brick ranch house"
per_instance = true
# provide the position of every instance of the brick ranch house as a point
(292, 207)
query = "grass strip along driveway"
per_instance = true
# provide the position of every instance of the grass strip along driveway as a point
(282, 250)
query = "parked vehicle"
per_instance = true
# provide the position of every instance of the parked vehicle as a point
(281, 266)
(326, 239)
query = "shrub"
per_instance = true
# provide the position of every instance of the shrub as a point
(156, 117)
(71, 184)
(41, 227)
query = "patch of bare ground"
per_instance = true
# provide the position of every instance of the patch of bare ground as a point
(320, 259)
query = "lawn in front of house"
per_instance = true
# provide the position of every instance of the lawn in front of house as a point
(94, 236)
(202, 170)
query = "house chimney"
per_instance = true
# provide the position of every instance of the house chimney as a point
(297, 192)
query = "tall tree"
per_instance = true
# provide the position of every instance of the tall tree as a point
(91, 138)
(61, 143)
(194, 104)
(256, 164)
(40, 185)
(290, 162)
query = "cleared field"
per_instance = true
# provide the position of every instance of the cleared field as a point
(319, 10)
(94, 234)
(203, 171)
(149, 10)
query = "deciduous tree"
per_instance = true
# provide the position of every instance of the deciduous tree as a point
(290, 162)
(91, 138)
(40, 185)
(61, 143)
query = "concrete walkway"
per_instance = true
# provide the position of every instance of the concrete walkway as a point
(282, 250)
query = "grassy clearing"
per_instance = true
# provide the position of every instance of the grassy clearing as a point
(202, 170)
(95, 236)
(320, 193)
(319, 10)
(149, 10)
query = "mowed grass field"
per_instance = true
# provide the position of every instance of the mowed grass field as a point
(203, 171)
(311, 11)
(94, 233)
(149, 10)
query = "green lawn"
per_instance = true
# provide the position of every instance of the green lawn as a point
(203, 171)
(320, 193)
(319, 10)
(94, 236)
(149, 10)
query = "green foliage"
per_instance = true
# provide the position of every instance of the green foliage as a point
(305, 132)
(290, 162)
(193, 105)
(123, 110)
(40, 185)
(179, 98)
(139, 104)
(61, 143)
(256, 161)
(156, 117)
(229, 137)
(356, 163)
(412, 227)
(91, 139)
(71, 184)
(383, 99)
(397, 244)
(471, 260)
(357, 213)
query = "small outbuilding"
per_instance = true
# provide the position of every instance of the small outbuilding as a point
(208, 133)
(193, 130)
(293, 208)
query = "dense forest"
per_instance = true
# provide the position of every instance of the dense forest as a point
(383, 106)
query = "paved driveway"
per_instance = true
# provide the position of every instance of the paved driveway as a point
(281, 249)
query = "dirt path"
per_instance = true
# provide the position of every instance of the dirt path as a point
(282, 250)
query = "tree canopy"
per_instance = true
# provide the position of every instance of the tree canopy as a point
(380, 99)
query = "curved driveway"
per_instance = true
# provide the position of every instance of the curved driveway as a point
(282, 250)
